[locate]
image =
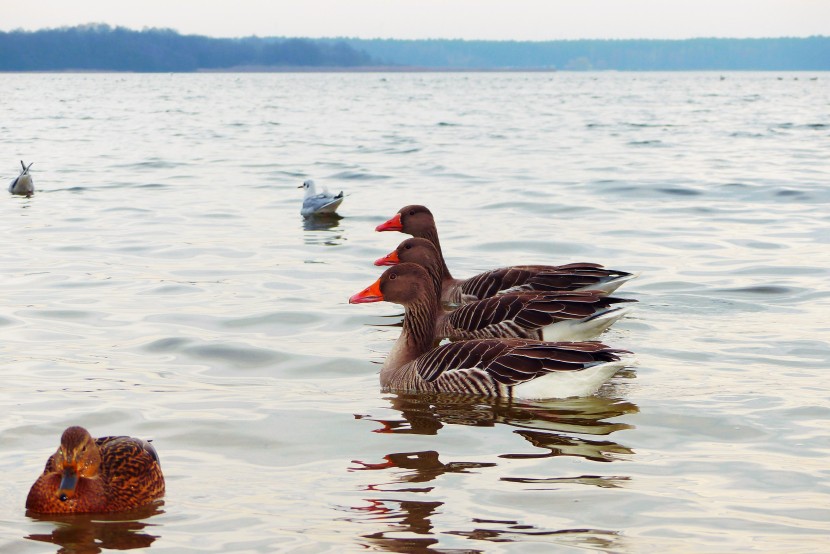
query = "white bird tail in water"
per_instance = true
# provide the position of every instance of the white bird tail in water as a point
(23, 183)
(321, 203)
(586, 328)
(610, 286)
(567, 384)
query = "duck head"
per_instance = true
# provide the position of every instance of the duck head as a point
(78, 457)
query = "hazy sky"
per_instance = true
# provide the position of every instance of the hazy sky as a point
(470, 19)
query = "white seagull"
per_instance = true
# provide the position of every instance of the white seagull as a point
(23, 184)
(321, 203)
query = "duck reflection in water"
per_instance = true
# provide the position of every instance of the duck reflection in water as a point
(93, 533)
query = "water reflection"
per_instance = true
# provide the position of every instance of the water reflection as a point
(510, 531)
(323, 229)
(93, 533)
(426, 414)
(564, 445)
(402, 519)
(398, 504)
(425, 466)
(407, 526)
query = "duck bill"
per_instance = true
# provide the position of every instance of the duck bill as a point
(393, 224)
(389, 259)
(69, 481)
(369, 294)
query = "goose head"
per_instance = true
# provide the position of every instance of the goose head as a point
(413, 220)
(406, 284)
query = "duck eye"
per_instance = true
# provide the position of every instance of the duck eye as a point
(408, 246)
(411, 212)
(393, 276)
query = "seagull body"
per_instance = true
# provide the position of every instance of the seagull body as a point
(320, 203)
(23, 184)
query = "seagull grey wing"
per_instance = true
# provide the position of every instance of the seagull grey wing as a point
(321, 204)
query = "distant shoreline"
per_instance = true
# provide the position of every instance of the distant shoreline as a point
(100, 48)
(375, 69)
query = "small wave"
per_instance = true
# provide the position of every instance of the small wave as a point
(761, 289)
(646, 143)
(788, 125)
(358, 176)
(791, 193)
(152, 163)
(679, 191)
(151, 186)
(651, 125)
(746, 134)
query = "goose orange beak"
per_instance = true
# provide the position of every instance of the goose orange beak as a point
(393, 224)
(369, 294)
(389, 259)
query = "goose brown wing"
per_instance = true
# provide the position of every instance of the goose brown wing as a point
(572, 276)
(529, 361)
(489, 283)
(511, 361)
(538, 278)
(523, 310)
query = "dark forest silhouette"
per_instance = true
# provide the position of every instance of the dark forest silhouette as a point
(105, 48)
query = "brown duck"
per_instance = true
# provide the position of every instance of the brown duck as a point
(108, 474)
(552, 316)
(520, 368)
(418, 221)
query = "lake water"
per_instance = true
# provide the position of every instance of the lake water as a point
(162, 284)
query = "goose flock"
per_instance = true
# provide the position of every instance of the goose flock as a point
(519, 331)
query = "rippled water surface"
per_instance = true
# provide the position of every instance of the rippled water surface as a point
(161, 283)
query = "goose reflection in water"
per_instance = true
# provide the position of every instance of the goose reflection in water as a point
(403, 524)
(551, 424)
(402, 519)
(425, 466)
(93, 533)
(407, 526)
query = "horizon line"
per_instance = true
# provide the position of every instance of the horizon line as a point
(93, 25)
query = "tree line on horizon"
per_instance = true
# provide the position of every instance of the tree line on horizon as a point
(720, 54)
(104, 48)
